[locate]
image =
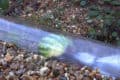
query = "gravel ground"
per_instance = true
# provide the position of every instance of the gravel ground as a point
(61, 14)
(19, 64)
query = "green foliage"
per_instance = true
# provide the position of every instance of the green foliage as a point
(114, 34)
(109, 26)
(94, 7)
(52, 18)
(4, 4)
(108, 20)
(46, 19)
(75, 1)
(115, 3)
(83, 3)
(107, 1)
(117, 14)
(118, 42)
(58, 12)
(19, 1)
(93, 13)
(1, 11)
(118, 23)
(58, 24)
(92, 32)
(112, 2)
(108, 11)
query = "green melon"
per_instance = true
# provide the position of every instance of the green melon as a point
(53, 45)
(4, 4)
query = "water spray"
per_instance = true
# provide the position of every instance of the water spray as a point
(50, 44)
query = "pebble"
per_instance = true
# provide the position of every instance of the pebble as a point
(26, 77)
(11, 73)
(44, 71)
(19, 57)
(89, 20)
(29, 59)
(3, 62)
(63, 78)
(14, 66)
(30, 72)
(73, 26)
(86, 73)
(26, 66)
(56, 72)
(29, 14)
(35, 56)
(67, 76)
(8, 57)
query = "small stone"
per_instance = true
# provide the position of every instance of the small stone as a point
(14, 66)
(3, 62)
(28, 9)
(86, 73)
(72, 77)
(49, 11)
(56, 72)
(2, 49)
(42, 58)
(35, 77)
(28, 59)
(63, 78)
(29, 14)
(23, 16)
(35, 56)
(8, 57)
(11, 73)
(2, 55)
(44, 71)
(74, 31)
(54, 0)
(30, 72)
(101, 20)
(89, 21)
(66, 69)
(20, 72)
(19, 57)
(11, 45)
(98, 76)
(25, 77)
(97, 70)
(73, 16)
(92, 74)
(67, 76)
(80, 77)
(94, 79)
(11, 76)
(46, 64)
(83, 68)
(73, 26)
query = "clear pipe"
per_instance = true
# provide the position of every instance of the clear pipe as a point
(82, 51)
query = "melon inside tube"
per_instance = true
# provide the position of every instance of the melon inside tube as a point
(53, 45)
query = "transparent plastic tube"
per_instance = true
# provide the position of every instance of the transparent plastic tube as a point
(77, 50)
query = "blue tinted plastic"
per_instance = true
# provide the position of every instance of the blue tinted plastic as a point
(106, 58)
